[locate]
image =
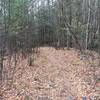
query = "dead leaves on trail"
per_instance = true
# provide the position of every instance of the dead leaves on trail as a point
(56, 74)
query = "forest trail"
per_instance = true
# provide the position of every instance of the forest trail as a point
(55, 75)
(67, 71)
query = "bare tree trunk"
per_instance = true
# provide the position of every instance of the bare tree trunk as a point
(98, 20)
(88, 22)
(1, 65)
(99, 43)
(70, 22)
(14, 69)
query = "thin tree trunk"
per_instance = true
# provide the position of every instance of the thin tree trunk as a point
(88, 22)
(98, 20)
(1, 65)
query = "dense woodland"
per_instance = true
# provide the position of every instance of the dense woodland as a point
(29, 24)
(25, 24)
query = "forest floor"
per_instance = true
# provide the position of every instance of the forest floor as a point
(56, 75)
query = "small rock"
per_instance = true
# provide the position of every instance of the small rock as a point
(43, 98)
(52, 84)
(27, 98)
(70, 98)
(84, 98)
(92, 98)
